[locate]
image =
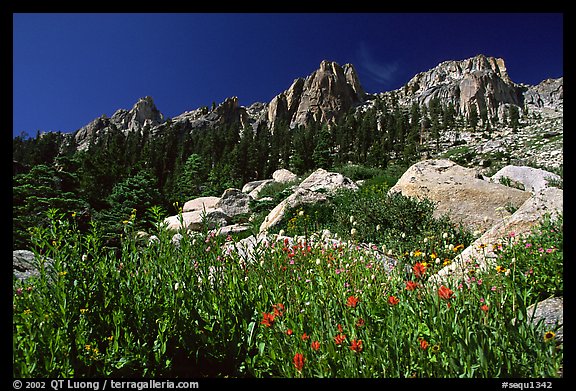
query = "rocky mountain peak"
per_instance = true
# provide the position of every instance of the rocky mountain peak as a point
(354, 81)
(479, 82)
(144, 112)
(324, 95)
(227, 112)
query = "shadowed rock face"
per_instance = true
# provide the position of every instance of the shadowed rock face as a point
(323, 96)
(549, 93)
(26, 265)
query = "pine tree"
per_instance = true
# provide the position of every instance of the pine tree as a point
(473, 117)
(42, 188)
(189, 180)
(322, 149)
(134, 196)
(514, 117)
(412, 141)
(449, 118)
(435, 114)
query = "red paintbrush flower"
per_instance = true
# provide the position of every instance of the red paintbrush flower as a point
(278, 309)
(298, 361)
(423, 344)
(419, 270)
(339, 339)
(352, 301)
(267, 319)
(445, 293)
(356, 345)
(315, 345)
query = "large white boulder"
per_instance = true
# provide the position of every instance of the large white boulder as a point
(460, 193)
(520, 224)
(533, 179)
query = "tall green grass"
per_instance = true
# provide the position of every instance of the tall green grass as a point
(302, 307)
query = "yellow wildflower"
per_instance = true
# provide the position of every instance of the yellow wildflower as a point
(548, 336)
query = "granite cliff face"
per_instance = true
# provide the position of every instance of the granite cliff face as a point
(480, 82)
(227, 112)
(549, 94)
(323, 96)
(143, 113)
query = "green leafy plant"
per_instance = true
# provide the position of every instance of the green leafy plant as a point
(316, 307)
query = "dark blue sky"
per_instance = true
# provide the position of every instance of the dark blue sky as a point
(71, 68)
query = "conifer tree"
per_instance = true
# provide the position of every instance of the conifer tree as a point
(473, 117)
(38, 190)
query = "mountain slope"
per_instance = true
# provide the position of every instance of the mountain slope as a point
(479, 85)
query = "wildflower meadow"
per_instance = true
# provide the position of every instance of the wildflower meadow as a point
(306, 303)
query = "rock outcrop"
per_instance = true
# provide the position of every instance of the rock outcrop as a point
(551, 313)
(283, 176)
(195, 220)
(233, 202)
(315, 188)
(323, 96)
(481, 82)
(299, 197)
(254, 188)
(83, 136)
(25, 264)
(229, 112)
(143, 113)
(216, 212)
(548, 94)
(219, 211)
(200, 203)
(459, 193)
(519, 224)
(531, 179)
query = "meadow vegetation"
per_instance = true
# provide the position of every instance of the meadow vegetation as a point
(342, 293)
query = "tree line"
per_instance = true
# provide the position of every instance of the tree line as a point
(120, 174)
